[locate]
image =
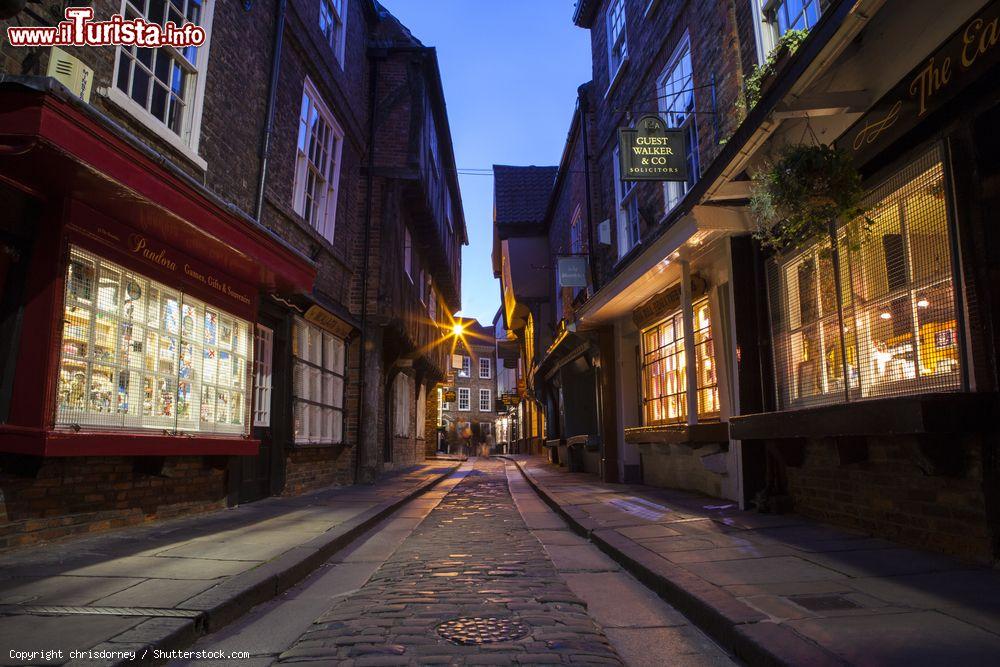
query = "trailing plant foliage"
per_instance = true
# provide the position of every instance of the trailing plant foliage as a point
(796, 198)
(788, 43)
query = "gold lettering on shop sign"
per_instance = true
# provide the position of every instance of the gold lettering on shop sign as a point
(138, 245)
(874, 128)
(981, 37)
(930, 80)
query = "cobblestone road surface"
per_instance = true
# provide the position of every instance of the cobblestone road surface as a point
(473, 557)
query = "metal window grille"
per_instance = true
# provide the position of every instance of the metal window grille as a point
(160, 80)
(892, 327)
(664, 368)
(317, 385)
(138, 355)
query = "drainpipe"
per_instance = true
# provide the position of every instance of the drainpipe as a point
(265, 149)
(584, 107)
(369, 180)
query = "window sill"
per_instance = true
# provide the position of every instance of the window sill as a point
(316, 445)
(126, 104)
(617, 77)
(926, 414)
(37, 442)
(693, 435)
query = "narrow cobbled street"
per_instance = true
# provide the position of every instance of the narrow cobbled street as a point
(470, 582)
(477, 571)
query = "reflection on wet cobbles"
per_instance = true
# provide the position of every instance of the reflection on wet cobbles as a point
(471, 585)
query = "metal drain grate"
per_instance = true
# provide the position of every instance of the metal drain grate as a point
(27, 610)
(824, 602)
(479, 630)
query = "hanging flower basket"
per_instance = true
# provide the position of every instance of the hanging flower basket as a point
(796, 198)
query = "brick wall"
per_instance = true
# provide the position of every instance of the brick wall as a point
(74, 496)
(652, 40)
(308, 469)
(897, 494)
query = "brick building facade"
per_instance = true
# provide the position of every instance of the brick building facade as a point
(468, 421)
(871, 416)
(228, 191)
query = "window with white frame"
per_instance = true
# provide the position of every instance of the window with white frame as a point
(466, 371)
(262, 385)
(485, 400)
(485, 368)
(401, 405)
(627, 209)
(785, 15)
(408, 253)
(317, 163)
(421, 412)
(332, 23)
(164, 86)
(464, 399)
(675, 90)
(317, 384)
(617, 37)
(445, 405)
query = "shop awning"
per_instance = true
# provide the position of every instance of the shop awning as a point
(55, 146)
(567, 347)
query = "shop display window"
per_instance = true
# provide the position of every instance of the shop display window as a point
(664, 369)
(317, 385)
(138, 355)
(897, 332)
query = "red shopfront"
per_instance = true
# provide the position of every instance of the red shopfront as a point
(139, 297)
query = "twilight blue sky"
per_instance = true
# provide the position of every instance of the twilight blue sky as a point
(510, 72)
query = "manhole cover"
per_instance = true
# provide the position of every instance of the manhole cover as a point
(824, 602)
(478, 630)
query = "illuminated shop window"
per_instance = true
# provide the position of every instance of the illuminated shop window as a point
(136, 354)
(317, 385)
(898, 334)
(664, 372)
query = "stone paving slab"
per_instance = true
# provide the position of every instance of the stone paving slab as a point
(218, 564)
(784, 589)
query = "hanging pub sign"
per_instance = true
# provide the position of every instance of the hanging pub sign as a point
(449, 396)
(651, 152)
(572, 271)
(960, 61)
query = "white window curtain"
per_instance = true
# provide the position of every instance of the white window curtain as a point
(318, 364)
(422, 412)
(402, 399)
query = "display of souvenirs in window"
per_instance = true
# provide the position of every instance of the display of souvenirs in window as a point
(897, 334)
(136, 354)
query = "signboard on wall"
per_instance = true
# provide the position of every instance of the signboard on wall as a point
(651, 152)
(960, 61)
(572, 271)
